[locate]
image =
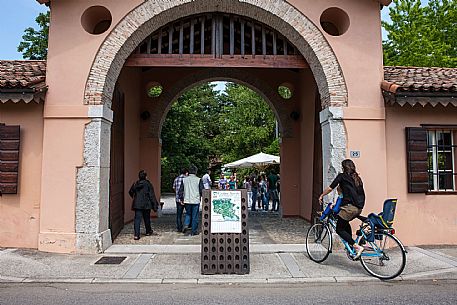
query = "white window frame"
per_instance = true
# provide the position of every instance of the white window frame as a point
(434, 149)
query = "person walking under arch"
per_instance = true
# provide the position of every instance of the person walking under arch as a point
(179, 207)
(222, 185)
(144, 200)
(353, 201)
(232, 183)
(190, 193)
(206, 179)
(273, 191)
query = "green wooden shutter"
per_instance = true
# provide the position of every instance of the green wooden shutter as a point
(9, 158)
(416, 152)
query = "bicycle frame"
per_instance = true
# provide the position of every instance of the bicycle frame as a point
(377, 252)
(385, 250)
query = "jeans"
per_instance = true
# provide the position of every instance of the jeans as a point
(146, 215)
(275, 199)
(265, 202)
(192, 215)
(254, 199)
(179, 211)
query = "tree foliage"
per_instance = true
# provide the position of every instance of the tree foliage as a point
(187, 132)
(422, 35)
(205, 125)
(34, 44)
(246, 123)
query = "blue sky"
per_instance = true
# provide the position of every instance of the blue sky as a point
(17, 15)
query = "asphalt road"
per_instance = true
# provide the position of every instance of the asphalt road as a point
(423, 292)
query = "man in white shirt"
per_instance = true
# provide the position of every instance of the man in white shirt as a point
(206, 179)
(190, 193)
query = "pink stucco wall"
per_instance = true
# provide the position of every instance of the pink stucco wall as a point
(62, 154)
(365, 128)
(20, 213)
(363, 71)
(420, 218)
(71, 53)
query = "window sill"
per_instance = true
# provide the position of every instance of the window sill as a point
(441, 193)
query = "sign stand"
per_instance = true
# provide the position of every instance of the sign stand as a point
(225, 253)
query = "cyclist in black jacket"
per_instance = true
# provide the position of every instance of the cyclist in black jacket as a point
(353, 201)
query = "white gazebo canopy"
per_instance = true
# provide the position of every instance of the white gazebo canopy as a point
(258, 160)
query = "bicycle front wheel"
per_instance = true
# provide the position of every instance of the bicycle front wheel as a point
(318, 242)
(385, 258)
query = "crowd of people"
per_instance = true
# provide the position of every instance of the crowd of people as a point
(261, 189)
(188, 192)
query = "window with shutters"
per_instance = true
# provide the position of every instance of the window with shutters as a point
(9, 158)
(441, 154)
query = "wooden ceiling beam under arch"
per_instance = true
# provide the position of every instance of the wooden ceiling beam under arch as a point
(216, 40)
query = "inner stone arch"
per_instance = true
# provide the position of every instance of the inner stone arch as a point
(266, 91)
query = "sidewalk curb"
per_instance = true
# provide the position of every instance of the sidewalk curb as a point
(431, 273)
(221, 281)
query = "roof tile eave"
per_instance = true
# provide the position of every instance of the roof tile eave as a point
(22, 74)
(421, 79)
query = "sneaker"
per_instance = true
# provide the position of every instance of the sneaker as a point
(148, 233)
(359, 250)
(136, 237)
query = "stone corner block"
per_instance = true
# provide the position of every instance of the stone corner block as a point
(100, 111)
(331, 113)
(93, 243)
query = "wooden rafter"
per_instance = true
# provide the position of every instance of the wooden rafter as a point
(189, 60)
(216, 40)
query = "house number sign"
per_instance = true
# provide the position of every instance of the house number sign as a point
(355, 154)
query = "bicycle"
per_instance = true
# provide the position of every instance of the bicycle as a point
(384, 258)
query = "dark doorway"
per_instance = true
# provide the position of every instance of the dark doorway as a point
(116, 207)
(318, 166)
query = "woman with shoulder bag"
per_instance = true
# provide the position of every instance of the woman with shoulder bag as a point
(352, 203)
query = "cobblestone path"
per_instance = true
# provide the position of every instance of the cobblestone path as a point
(264, 228)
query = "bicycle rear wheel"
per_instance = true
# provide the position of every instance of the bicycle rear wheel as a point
(387, 259)
(318, 242)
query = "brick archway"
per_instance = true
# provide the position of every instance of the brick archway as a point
(150, 16)
(92, 202)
